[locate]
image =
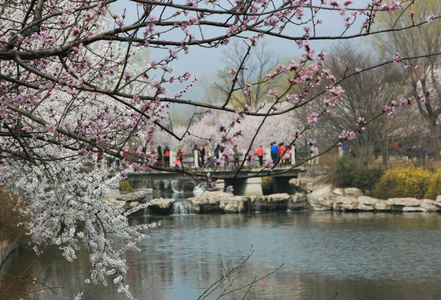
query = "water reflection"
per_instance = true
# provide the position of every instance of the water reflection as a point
(358, 255)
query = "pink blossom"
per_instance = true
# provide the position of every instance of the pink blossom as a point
(430, 18)
(429, 93)
(335, 90)
(296, 134)
(313, 118)
(346, 135)
(292, 99)
(389, 110)
(230, 189)
(269, 164)
(361, 121)
(335, 3)
(221, 128)
(272, 93)
(251, 158)
(361, 130)
(393, 6)
(75, 31)
(51, 128)
(405, 101)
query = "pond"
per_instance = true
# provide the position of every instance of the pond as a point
(357, 255)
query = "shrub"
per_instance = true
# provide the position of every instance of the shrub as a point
(266, 185)
(346, 171)
(10, 229)
(125, 187)
(265, 182)
(434, 188)
(403, 181)
(366, 179)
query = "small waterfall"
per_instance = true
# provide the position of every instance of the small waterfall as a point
(187, 186)
(176, 187)
(199, 189)
(182, 208)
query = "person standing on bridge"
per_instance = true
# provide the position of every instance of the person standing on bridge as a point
(259, 152)
(274, 152)
(216, 151)
(179, 158)
(288, 153)
(167, 156)
(202, 156)
(159, 156)
(281, 155)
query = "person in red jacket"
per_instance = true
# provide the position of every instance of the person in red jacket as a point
(259, 152)
(281, 154)
(179, 158)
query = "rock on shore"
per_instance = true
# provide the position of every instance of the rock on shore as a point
(323, 198)
(221, 202)
(352, 199)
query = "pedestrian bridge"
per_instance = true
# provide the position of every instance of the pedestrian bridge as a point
(245, 182)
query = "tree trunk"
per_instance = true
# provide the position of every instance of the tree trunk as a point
(432, 148)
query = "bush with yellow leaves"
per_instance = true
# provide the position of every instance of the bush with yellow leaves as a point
(403, 181)
(434, 188)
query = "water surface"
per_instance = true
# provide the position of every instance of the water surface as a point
(357, 255)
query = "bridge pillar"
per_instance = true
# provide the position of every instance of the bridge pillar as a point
(172, 158)
(245, 187)
(314, 161)
(195, 159)
(253, 187)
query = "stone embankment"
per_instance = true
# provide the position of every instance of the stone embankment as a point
(352, 199)
(221, 202)
(321, 198)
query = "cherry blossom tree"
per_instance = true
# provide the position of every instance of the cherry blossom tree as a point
(75, 81)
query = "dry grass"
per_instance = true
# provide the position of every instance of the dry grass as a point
(9, 218)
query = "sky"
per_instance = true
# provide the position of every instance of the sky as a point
(206, 62)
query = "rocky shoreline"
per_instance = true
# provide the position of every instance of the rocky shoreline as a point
(323, 198)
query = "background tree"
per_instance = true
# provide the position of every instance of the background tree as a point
(423, 74)
(364, 95)
(252, 83)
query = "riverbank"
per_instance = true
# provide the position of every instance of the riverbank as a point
(322, 198)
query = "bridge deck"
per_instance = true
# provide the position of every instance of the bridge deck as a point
(222, 174)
